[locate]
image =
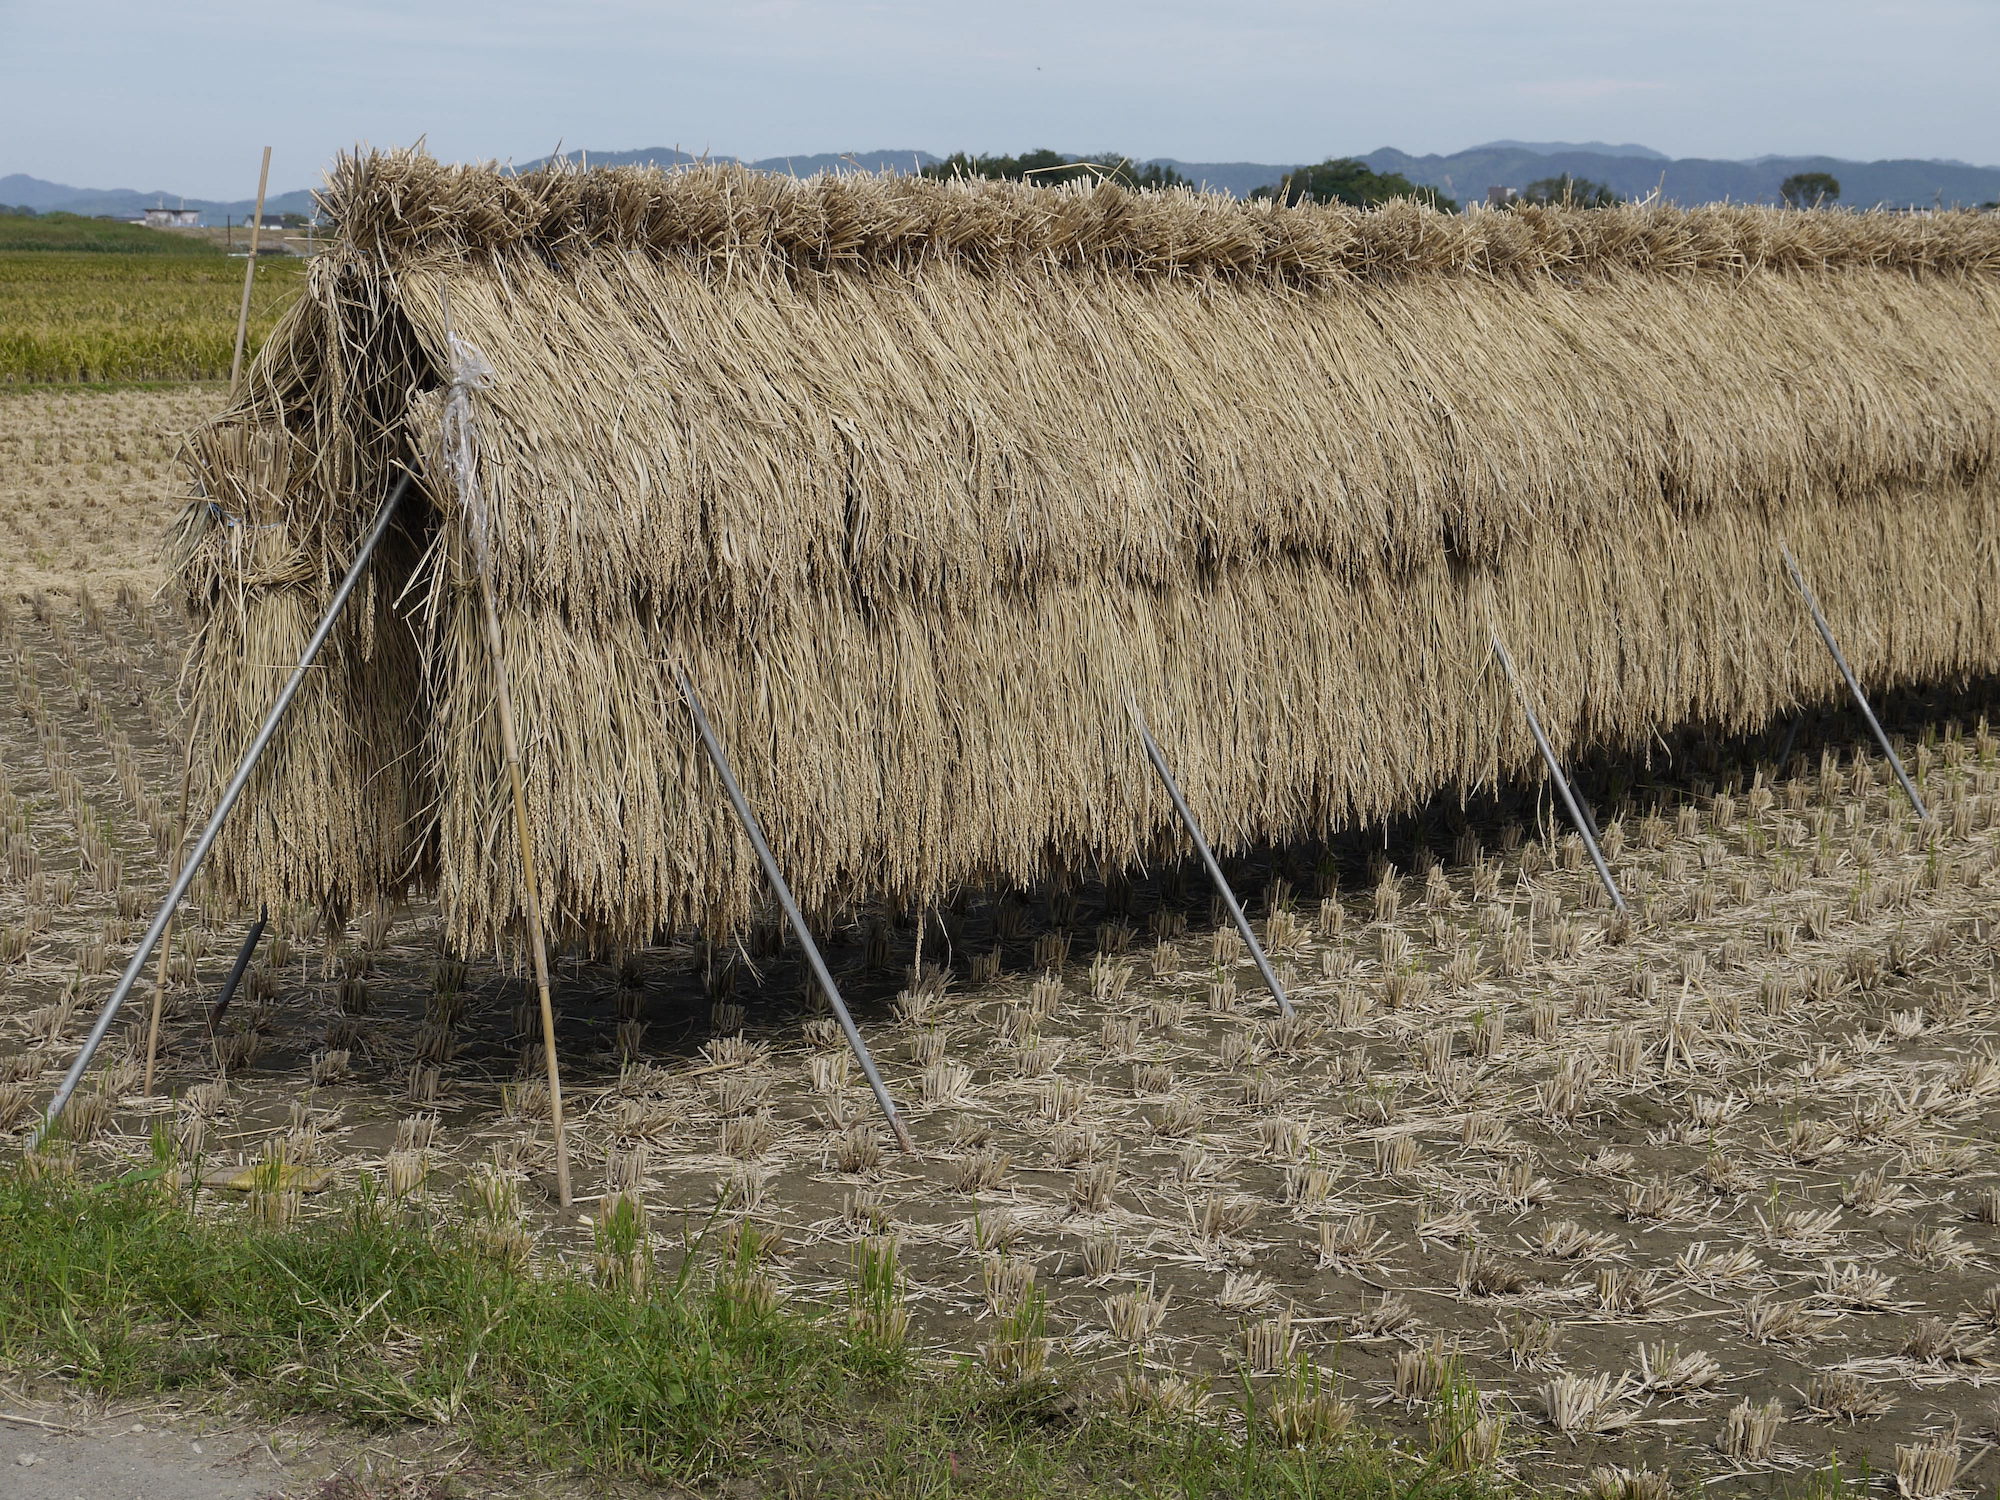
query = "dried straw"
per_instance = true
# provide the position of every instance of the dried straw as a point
(921, 479)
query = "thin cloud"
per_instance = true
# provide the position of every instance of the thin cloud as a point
(1257, 80)
(1588, 88)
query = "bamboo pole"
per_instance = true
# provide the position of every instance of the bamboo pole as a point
(530, 896)
(470, 371)
(1208, 858)
(224, 804)
(249, 274)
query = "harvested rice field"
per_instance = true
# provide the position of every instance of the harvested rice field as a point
(89, 485)
(1705, 1191)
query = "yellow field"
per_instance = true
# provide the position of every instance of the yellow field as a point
(91, 316)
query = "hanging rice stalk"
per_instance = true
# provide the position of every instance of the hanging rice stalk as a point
(923, 480)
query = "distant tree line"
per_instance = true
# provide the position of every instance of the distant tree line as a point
(1344, 179)
(1337, 180)
(1800, 190)
(1809, 189)
(1046, 168)
(21, 212)
(1569, 192)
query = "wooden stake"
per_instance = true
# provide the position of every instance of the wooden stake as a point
(530, 898)
(471, 370)
(249, 274)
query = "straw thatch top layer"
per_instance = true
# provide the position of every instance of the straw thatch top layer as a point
(398, 206)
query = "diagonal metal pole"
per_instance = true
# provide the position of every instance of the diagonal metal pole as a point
(1577, 818)
(222, 808)
(1208, 858)
(1853, 686)
(167, 937)
(792, 913)
(250, 941)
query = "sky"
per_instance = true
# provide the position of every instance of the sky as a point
(180, 95)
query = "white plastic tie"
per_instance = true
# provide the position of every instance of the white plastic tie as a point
(471, 371)
(470, 368)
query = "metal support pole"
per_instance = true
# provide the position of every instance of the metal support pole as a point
(1581, 823)
(167, 937)
(250, 941)
(1853, 686)
(1208, 858)
(792, 913)
(1589, 816)
(1791, 741)
(222, 809)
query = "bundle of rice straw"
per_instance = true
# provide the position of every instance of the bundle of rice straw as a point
(920, 480)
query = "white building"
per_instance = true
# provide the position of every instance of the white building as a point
(173, 218)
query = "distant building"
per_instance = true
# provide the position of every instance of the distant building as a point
(173, 218)
(1501, 197)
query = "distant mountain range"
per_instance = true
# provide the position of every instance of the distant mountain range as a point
(1466, 175)
(19, 191)
(1629, 169)
(1589, 148)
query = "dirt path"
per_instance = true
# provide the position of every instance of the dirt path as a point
(134, 1458)
(62, 1449)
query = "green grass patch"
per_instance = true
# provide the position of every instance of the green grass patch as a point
(90, 316)
(379, 1316)
(96, 236)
